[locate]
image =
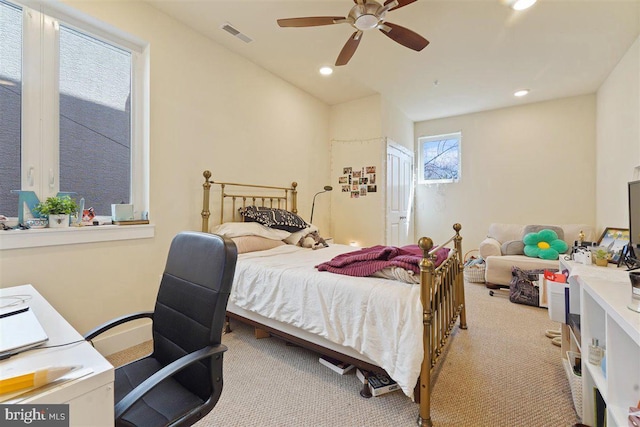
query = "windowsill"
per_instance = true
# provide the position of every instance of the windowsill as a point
(439, 181)
(19, 239)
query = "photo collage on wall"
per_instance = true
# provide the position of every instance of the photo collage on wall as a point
(358, 182)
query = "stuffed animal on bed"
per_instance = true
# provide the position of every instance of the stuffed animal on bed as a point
(313, 240)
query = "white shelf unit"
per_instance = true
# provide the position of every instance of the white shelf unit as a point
(604, 315)
(571, 336)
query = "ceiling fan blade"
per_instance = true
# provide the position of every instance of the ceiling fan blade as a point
(401, 3)
(349, 48)
(312, 21)
(404, 36)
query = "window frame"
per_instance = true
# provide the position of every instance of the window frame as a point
(430, 138)
(39, 168)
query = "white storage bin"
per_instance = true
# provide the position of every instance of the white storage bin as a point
(558, 300)
(575, 381)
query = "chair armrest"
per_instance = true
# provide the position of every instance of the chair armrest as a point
(490, 247)
(115, 322)
(171, 369)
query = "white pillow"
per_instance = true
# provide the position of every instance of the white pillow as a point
(237, 229)
(294, 238)
(246, 244)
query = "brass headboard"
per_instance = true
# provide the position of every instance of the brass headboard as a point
(279, 197)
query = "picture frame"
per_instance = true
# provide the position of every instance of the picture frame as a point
(614, 239)
(619, 258)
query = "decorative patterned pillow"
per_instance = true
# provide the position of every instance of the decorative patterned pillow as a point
(275, 218)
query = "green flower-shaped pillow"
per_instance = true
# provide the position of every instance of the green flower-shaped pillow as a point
(544, 244)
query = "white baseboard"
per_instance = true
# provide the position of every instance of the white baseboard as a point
(109, 344)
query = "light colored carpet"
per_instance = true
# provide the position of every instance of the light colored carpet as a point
(502, 371)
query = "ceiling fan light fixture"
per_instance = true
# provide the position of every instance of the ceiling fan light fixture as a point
(520, 93)
(326, 71)
(364, 15)
(366, 22)
(522, 4)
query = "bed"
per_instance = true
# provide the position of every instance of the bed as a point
(376, 323)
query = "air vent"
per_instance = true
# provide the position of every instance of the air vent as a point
(234, 32)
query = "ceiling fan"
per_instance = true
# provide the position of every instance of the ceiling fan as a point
(365, 15)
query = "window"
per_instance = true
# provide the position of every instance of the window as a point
(72, 95)
(439, 158)
(95, 117)
(10, 101)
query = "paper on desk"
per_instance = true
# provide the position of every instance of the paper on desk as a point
(21, 395)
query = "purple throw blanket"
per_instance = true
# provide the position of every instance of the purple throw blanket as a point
(367, 261)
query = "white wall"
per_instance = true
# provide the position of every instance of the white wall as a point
(356, 120)
(360, 220)
(210, 109)
(519, 165)
(597, 159)
(371, 117)
(618, 140)
(359, 133)
(356, 141)
(396, 125)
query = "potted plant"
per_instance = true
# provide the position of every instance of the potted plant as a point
(601, 257)
(58, 210)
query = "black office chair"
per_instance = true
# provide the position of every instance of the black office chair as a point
(181, 381)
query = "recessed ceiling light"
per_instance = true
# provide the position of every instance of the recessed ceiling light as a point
(522, 4)
(520, 93)
(6, 83)
(326, 71)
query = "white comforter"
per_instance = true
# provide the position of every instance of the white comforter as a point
(379, 318)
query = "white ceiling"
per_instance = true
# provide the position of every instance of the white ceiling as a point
(480, 51)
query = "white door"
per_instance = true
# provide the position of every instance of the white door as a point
(399, 196)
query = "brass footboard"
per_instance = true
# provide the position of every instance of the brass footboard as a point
(442, 296)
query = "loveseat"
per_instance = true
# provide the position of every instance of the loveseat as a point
(503, 249)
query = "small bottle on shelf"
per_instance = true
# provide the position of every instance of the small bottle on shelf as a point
(595, 352)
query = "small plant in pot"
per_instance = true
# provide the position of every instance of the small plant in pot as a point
(601, 257)
(58, 210)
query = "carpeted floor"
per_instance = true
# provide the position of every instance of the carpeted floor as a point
(502, 371)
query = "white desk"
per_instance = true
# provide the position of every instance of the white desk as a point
(90, 397)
